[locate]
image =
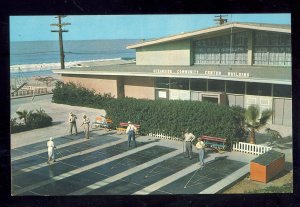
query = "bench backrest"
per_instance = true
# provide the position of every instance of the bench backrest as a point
(124, 124)
(215, 139)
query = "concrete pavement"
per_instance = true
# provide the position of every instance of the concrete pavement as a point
(59, 114)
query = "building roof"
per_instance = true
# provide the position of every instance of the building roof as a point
(283, 28)
(260, 74)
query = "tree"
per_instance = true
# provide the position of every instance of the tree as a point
(24, 115)
(254, 120)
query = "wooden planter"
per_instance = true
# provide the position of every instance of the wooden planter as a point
(267, 166)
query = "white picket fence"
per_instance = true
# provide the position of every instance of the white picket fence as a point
(250, 148)
(164, 136)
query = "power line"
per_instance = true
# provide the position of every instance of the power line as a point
(60, 30)
(220, 20)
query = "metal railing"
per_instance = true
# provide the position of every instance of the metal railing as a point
(29, 92)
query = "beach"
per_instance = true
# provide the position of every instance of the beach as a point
(33, 61)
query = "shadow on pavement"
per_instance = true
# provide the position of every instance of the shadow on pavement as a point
(57, 123)
(217, 159)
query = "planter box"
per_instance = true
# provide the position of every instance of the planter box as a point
(267, 166)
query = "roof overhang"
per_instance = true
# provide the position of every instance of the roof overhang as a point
(182, 36)
(149, 74)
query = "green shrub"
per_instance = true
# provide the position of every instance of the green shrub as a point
(72, 94)
(16, 127)
(39, 120)
(32, 120)
(166, 116)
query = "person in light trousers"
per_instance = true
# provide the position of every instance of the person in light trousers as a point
(51, 147)
(201, 147)
(86, 126)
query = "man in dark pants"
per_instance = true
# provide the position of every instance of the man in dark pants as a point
(131, 130)
(188, 138)
(72, 121)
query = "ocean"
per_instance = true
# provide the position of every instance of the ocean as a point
(39, 57)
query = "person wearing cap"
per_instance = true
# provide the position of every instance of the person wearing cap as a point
(201, 147)
(51, 146)
(131, 130)
(72, 121)
(188, 138)
(86, 126)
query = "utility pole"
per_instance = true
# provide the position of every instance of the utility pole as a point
(220, 20)
(60, 31)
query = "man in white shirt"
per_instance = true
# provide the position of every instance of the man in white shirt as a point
(131, 130)
(51, 146)
(188, 138)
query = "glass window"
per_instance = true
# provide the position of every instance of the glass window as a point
(260, 89)
(216, 85)
(222, 50)
(179, 83)
(198, 84)
(235, 87)
(272, 49)
(282, 91)
(162, 94)
(210, 99)
(162, 82)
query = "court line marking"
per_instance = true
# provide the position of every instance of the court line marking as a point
(35, 167)
(167, 180)
(123, 174)
(215, 188)
(44, 150)
(85, 168)
(80, 140)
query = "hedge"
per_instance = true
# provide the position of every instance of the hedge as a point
(34, 120)
(166, 116)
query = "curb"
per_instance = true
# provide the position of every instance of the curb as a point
(18, 97)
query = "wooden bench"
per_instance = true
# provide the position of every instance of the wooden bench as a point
(123, 126)
(214, 142)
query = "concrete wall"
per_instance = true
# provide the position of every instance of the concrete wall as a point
(170, 53)
(101, 84)
(139, 87)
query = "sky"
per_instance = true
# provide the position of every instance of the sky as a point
(93, 27)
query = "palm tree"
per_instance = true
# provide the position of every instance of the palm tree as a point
(24, 115)
(253, 122)
(40, 111)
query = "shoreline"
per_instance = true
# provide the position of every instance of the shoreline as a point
(51, 66)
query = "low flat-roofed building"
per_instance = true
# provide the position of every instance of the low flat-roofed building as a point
(232, 64)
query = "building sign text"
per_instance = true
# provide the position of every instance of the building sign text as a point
(206, 72)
